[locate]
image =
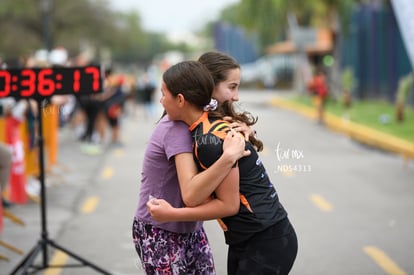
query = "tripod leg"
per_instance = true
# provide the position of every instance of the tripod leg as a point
(28, 260)
(80, 259)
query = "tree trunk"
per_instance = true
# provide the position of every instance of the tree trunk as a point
(399, 112)
(347, 99)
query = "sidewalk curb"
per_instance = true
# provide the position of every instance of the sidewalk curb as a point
(354, 130)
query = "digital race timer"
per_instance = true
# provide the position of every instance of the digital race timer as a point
(45, 82)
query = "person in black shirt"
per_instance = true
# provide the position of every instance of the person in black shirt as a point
(260, 236)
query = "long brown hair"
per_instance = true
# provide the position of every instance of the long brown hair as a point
(192, 80)
(227, 109)
(219, 64)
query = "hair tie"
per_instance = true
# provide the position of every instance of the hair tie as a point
(211, 106)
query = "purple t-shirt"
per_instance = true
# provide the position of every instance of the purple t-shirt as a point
(159, 175)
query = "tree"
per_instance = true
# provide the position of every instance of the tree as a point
(30, 25)
(268, 18)
(256, 17)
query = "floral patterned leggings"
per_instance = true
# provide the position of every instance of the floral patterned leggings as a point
(164, 252)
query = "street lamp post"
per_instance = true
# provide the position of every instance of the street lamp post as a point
(45, 8)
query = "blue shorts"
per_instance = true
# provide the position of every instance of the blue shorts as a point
(164, 252)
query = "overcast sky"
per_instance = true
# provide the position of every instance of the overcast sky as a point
(175, 16)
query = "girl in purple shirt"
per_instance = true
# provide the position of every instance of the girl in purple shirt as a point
(260, 236)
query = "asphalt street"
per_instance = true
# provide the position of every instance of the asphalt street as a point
(350, 204)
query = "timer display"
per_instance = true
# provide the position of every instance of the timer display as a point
(39, 83)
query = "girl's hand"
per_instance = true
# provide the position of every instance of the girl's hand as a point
(160, 209)
(234, 145)
(240, 127)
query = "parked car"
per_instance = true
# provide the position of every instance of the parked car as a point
(268, 71)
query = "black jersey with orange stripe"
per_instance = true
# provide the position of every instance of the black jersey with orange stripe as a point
(259, 202)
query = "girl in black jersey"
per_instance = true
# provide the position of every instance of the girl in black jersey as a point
(260, 236)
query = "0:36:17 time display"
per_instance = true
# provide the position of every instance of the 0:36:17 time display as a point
(45, 82)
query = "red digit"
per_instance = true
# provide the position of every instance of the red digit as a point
(46, 85)
(95, 77)
(28, 83)
(76, 81)
(6, 89)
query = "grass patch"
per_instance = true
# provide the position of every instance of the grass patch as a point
(379, 115)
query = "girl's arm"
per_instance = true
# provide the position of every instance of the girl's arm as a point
(197, 187)
(226, 204)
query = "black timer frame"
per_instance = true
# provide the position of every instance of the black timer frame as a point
(27, 264)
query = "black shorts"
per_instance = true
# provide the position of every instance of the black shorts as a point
(272, 251)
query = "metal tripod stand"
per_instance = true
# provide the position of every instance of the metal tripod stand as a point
(27, 266)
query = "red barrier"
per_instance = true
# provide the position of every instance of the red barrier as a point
(2, 138)
(17, 185)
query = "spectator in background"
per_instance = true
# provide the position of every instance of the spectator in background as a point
(145, 90)
(5, 165)
(91, 106)
(5, 154)
(318, 87)
(114, 99)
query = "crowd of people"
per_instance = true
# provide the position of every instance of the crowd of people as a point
(89, 117)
